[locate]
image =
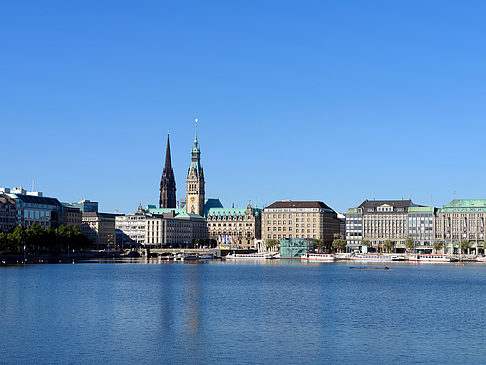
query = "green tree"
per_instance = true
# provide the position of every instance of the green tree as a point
(388, 245)
(465, 246)
(339, 245)
(271, 243)
(438, 246)
(409, 244)
(365, 243)
(319, 244)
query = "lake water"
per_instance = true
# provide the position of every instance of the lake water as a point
(246, 313)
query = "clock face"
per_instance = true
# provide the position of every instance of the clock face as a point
(193, 199)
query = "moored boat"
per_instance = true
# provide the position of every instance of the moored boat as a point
(249, 256)
(373, 257)
(317, 257)
(431, 258)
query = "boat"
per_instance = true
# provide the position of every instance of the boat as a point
(249, 256)
(369, 268)
(373, 257)
(206, 256)
(431, 258)
(317, 257)
(165, 256)
(190, 257)
(481, 258)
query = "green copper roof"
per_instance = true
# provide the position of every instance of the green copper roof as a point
(465, 206)
(421, 210)
(467, 203)
(354, 211)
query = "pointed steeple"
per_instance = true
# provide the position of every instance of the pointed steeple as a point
(168, 162)
(167, 183)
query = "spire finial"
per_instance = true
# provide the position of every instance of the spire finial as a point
(196, 120)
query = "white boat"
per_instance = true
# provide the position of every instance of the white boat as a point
(317, 257)
(374, 257)
(431, 258)
(249, 256)
(481, 258)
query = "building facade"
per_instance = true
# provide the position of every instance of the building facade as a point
(8, 213)
(421, 227)
(86, 206)
(71, 216)
(167, 182)
(461, 220)
(300, 219)
(100, 229)
(354, 229)
(235, 227)
(130, 229)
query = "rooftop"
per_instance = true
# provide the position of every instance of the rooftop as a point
(297, 204)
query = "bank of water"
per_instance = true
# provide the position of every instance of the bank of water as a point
(263, 312)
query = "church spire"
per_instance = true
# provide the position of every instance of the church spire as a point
(167, 183)
(168, 162)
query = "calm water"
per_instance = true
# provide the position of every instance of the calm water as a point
(266, 313)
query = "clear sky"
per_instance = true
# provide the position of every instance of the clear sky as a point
(338, 101)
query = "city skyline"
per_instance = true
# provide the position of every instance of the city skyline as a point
(331, 102)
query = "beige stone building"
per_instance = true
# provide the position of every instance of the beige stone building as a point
(300, 219)
(100, 228)
(234, 227)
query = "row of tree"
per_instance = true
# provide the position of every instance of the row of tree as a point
(37, 239)
(388, 245)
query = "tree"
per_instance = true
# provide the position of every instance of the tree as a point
(388, 245)
(339, 244)
(409, 244)
(365, 243)
(465, 246)
(319, 244)
(271, 243)
(438, 246)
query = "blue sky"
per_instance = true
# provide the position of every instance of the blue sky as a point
(338, 101)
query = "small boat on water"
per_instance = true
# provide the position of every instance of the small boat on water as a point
(190, 257)
(431, 258)
(206, 256)
(481, 258)
(250, 256)
(166, 257)
(317, 257)
(369, 268)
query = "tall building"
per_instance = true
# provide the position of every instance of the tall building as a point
(167, 183)
(86, 206)
(195, 182)
(378, 221)
(300, 219)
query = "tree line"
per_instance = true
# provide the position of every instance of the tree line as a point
(37, 239)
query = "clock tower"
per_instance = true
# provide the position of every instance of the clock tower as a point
(195, 182)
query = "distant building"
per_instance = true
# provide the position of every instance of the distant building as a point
(130, 229)
(461, 220)
(233, 227)
(35, 208)
(300, 219)
(381, 220)
(354, 228)
(100, 228)
(8, 213)
(71, 216)
(86, 206)
(421, 227)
